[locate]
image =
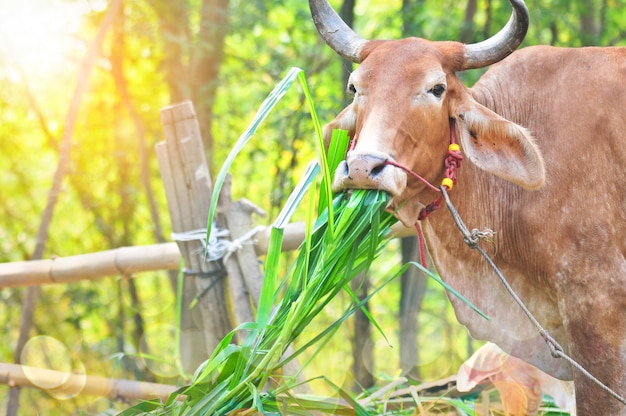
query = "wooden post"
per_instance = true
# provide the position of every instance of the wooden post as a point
(244, 276)
(187, 182)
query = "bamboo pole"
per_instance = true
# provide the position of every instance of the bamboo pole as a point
(120, 261)
(188, 188)
(62, 384)
(126, 261)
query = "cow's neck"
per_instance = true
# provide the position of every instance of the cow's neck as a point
(482, 203)
(441, 223)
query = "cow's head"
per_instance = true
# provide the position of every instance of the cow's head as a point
(405, 95)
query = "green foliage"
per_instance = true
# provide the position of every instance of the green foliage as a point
(235, 375)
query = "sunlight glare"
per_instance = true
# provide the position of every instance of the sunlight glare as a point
(40, 36)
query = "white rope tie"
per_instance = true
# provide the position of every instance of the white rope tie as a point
(219, 247)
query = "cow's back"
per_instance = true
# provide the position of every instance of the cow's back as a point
(570, 98)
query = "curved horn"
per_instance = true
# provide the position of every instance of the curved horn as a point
(335, 32)
(503, 43)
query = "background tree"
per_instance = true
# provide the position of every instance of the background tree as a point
(193, 58)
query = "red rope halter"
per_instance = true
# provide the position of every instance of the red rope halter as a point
(452, 162)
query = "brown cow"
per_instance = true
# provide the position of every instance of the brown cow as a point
(544, 138)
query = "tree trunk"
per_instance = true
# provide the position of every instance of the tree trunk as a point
(347, 14)
(488, 19)
(413, 287)
(205, 66)
(194, 74)
(602, 21)
(410, 8)
(467, 31)
(121, 84)
(362, 351)
(174, 20)
(588, 26)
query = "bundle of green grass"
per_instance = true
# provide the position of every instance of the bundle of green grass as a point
(349, 232)
(236, 375)
(235, 378)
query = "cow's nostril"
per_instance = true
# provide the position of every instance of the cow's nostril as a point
(376, 170)
(343, 168)
(362, 170)
(367, 171)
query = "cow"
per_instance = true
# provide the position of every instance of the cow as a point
(543, 137)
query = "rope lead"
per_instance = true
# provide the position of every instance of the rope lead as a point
(556, 349)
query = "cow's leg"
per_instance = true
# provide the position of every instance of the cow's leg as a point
(598, 343)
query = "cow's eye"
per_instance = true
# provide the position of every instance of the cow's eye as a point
(351, 88)
(438, 90)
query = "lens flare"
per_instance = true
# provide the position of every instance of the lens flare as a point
(40, 36)
(48, 353)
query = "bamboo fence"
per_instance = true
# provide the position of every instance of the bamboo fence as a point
(127, 261)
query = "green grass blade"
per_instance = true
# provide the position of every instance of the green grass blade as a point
(297, 195)
(336, 153)
(143, 407)
(358, 409)
(266, 107)
(446, 286)
(266, 299)
(321, 148)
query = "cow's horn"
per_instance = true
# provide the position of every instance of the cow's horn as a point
(335, 32)
(503, 43)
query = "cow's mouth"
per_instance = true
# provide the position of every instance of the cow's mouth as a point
(375, 170)
(406, 210)
(369, 171)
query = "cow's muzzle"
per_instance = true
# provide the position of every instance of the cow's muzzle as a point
(369, 171)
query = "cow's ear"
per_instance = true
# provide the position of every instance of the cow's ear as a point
(500, 146)
(346, 120)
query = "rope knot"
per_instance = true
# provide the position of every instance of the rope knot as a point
(472, 238)
(453, 161)
(555, 348)
(471, 241)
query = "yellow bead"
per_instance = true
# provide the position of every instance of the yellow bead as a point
(454, 147)
(448, 183)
